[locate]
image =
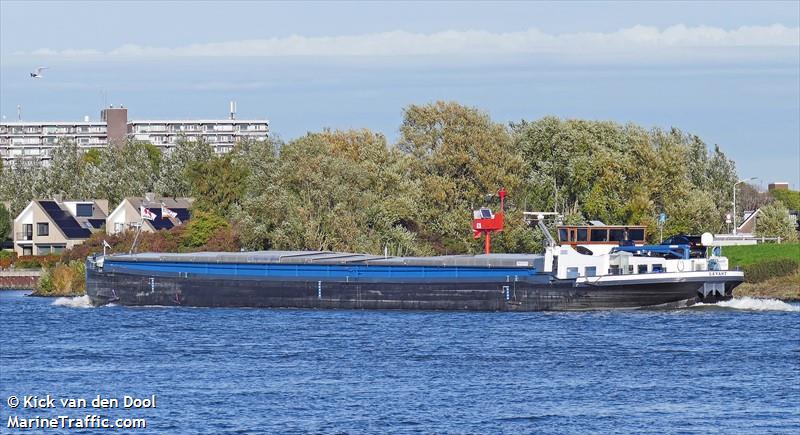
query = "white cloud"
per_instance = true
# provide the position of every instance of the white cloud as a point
(637, 39)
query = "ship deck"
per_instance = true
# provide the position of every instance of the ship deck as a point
(332, 258)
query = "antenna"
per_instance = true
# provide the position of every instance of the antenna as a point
(19, 112)
(233, 110)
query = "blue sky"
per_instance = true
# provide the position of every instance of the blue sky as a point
(729, 72)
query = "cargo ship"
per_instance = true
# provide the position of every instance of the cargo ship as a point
(600, 274)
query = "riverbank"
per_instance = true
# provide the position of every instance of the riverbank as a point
(771, 270)
(19, 279)
(785, 288)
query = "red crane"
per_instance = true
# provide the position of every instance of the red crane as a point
(485, 222)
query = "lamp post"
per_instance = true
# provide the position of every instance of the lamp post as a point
(734, 199)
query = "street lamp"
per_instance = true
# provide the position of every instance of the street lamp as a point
(734, 199)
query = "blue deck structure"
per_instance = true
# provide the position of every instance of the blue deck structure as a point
(677, 251)
(327, 265)
(314, 271)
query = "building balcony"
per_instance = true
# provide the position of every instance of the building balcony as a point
(23, 236)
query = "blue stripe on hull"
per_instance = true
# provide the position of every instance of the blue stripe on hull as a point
(318, 271)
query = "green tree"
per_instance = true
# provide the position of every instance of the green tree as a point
(92, 156)
(789, 198)
(67, 171)
(624, 174)
(5, 223)
(334, 190)
(774, 221)
(121, 172)
(459, 157)
(201, 228)
(172, 180)
(154, 155)
(721, 175)
(22, 182)
(258, 157)
(217, 184)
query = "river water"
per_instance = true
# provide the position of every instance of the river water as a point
(729, 368)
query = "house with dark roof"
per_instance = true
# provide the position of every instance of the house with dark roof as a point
(748, 225)
(127, 215)
(49, 226)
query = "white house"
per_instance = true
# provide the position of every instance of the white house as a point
(49, 226)
(127, 214)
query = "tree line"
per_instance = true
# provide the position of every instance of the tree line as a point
(352, 190)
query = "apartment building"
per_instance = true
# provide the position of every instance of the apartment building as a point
(222, 135)
(36, 140)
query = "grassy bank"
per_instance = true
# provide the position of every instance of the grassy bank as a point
(752, 254)
(771, 270)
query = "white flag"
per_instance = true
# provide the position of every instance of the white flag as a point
(167, 213)
(147, 214)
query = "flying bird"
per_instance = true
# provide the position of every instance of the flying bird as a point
(37, 73)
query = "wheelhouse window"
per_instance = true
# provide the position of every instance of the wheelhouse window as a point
(642, 268)
(600, 235)
(591, 271)
(42, 229)
(616, 235)
(636, 234)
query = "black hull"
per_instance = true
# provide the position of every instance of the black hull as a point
(540, 294)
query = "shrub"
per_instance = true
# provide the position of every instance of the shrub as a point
(765, 270)
(36, 261)
(7, 258)
(201, 227)
(224, 239)
(45, 283)
(63, 279)
(163, 240)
